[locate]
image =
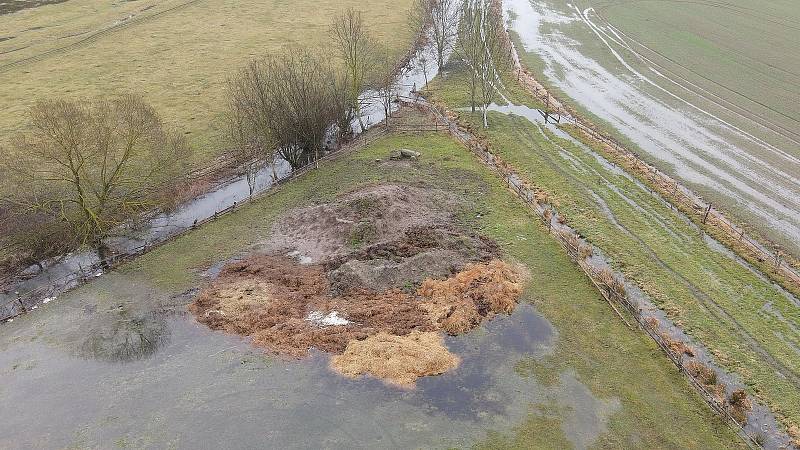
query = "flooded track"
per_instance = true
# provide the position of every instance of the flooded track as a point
(744, 165)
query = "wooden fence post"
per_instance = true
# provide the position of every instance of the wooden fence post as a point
(708, 210)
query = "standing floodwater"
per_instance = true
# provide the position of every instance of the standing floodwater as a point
(749, 170)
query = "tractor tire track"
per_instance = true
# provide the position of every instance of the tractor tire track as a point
(704, 300)
(94, 37)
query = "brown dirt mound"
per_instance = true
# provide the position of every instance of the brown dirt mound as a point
(378, 273)
(398, 360)
(370, 215)
(271, 298)
(420, 253)
(460, 303)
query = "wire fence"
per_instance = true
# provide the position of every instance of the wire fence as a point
(779, 263)
(606, 282)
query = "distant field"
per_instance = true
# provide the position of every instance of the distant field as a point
(707, 91)
(743, 53)
(177, 53)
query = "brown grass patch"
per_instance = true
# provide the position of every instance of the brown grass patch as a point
(739, 405)
(399, 360)
(379, 306)
(702, 373)
(459, 303)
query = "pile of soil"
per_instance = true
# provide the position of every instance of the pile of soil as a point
(379, 302)
(273, 298)
(373, 214)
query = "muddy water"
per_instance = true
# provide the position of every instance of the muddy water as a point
(740, 166)
(75, 378)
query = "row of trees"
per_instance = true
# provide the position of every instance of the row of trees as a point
(86, 167)
(290, 106)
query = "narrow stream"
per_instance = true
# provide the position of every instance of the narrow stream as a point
(71, 270)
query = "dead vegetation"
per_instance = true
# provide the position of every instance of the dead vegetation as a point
(379, 305)
(399, 360)
(459, 303)
(739, 405)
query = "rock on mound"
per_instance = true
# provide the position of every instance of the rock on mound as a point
(398, 360)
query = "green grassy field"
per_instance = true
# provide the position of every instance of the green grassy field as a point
(736, 50)
(177, 54)
(657, 407)
(749, 325)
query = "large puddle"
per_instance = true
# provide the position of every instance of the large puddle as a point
(76, 379)
(742, 166)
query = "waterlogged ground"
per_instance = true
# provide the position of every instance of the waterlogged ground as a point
(741, 154)
(750, 326)
(119, 362)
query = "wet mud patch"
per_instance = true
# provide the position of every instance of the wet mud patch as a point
(379, 304)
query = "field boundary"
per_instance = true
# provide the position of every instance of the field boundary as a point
(607, 283)
(776, 264)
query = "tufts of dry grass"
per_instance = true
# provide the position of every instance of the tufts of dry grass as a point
(459, 303)
(739, 405)
(399, 360)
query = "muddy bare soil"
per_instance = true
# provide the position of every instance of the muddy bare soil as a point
(379, 298)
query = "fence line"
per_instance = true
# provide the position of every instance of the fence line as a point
(572, 243)
(780, 264)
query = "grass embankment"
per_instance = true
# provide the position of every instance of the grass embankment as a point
(749, 325)
(179, 60)
(658, 408)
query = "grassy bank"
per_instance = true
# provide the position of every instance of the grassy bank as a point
(177, 54)
(750, 326)
(648, 404)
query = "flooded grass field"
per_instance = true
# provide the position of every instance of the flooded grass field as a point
(706, 92)
(120, 363)
(177, 53)
(749, 324)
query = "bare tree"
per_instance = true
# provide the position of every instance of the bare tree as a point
(484, 51)
(287, 103)
(357, 50)
(92, 165)
(469, 44)
(443, 17)
(252, 143)
(385, 82)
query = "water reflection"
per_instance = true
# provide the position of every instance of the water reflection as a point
(124, 336)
